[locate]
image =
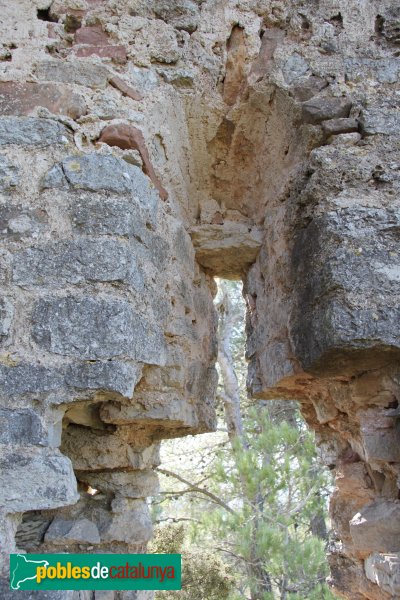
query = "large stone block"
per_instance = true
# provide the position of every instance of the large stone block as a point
(74, 262)
(376, 528)
(96, 328)
(25, 378)
(103, 173)
(226, 250)
(320, 109)
(85, 327)
(294, 68)
(98, 451)
(135, 484)
(47, 474)
(380, 119)
(305, 88)
(162, 409)
(130, 522)
(115, 376)
(85, 74)
(384, 70)
(380, 435)
(116, 216)
(64, 531)
(347, 287)
(339, 126)
(31, 131)
(384, 570)
(22, 98)
(341, 336)
(21, 426)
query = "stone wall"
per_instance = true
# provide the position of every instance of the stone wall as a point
(146, 146)
(107, 325)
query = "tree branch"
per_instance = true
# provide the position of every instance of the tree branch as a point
(194, 488)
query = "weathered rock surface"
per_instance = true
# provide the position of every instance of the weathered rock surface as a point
(86, 260)
(134, 484)
(8, 175)
(30, 131)
(341, 259)
(110, 375)
(228, 249)
(92, 450)
(22, 99)
(384, 570)
(80, 531)
(95, 76)
(47, 473)
(18, 379)
(94, 329)
(270, 132)
(376, 527)
(322, 109)
(20, 427)
(98, 173)
(127, 137)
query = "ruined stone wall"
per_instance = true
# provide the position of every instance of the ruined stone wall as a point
(145, 147)
(107, 325)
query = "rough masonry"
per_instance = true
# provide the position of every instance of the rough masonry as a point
(146, 147)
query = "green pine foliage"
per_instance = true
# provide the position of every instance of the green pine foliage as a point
(276, 487)
(205, 576)
(253, 539)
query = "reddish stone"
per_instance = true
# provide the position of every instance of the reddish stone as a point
(125, 89)
(22, 98)
(263, 63)
(217, 219)
(128, 137)
(116, 53)
(93, 36)
(235, 77)
(51, 30)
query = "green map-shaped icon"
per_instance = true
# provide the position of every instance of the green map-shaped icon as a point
(24, 569)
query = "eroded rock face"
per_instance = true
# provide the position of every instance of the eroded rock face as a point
(145, 149)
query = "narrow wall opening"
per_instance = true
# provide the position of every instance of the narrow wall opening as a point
(246, 505)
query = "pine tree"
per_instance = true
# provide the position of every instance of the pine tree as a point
(258, 495)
